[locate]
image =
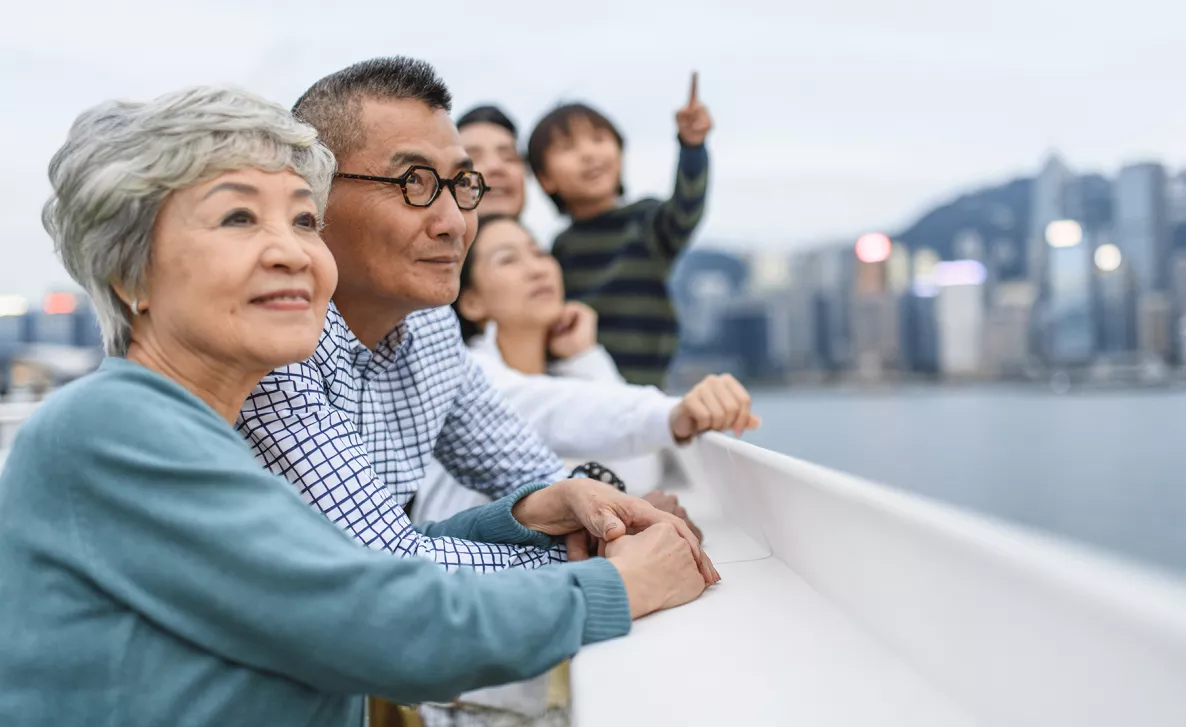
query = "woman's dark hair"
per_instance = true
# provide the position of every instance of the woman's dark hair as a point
(558, 122)
(488, 115)
(469, 328)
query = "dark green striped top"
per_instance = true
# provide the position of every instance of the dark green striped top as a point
(619, 262)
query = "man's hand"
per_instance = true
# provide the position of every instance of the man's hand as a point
(656, 569)
(693, 120)
(667, 502)
(717, 403)
(574, 332)
(582, 509)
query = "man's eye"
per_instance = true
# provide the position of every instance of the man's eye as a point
(238, 218)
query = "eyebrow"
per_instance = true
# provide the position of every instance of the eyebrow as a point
(401, 160)
(250, 190)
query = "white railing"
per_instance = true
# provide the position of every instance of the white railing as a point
(12, 415)
(845, 602)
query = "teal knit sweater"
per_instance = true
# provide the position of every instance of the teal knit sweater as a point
(151, 573)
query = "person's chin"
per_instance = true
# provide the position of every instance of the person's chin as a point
(280, 351)
(500, 207)
(435, 296)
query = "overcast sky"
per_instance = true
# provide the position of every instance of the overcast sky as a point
(833, 119)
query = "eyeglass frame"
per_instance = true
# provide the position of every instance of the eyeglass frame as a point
(402, 182)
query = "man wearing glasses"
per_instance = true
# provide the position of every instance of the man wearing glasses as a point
(391, 385)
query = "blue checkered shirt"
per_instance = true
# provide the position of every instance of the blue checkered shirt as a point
(353, 428)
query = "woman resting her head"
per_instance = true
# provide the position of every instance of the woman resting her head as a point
(153, 573)
(513, 315)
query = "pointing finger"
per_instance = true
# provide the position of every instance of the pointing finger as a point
(692, 99)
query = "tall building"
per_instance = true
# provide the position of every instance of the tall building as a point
(701, 283)
(920, 335)
(1070, 327)
(959, 318)
(748, 334)
(1116, 328)
(803, 312)
(1007, 329)
(837, 269)
(1052, 198)
(1141, 223)
(876, 314)
(1155, 326)
(1177, 199)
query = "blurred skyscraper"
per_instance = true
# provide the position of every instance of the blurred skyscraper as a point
(1053, 197)
(1141, 223)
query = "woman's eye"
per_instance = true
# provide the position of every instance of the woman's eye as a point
(238, 218)
(306, 221)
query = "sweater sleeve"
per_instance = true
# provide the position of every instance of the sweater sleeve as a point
(173, 518)
(676, 219)
(586, 418)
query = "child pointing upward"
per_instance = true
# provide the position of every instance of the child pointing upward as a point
(617, 258)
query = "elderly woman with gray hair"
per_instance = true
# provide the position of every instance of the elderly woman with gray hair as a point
(153, 573)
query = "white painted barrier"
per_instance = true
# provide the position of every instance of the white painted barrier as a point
(12, 415)
(845, 602)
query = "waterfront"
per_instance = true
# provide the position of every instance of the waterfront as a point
(1106, 468)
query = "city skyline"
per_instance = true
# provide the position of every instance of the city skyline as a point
(863, 116)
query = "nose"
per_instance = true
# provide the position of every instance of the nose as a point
(538, 266)
(286, 251)
(494, 168)
(446, 220)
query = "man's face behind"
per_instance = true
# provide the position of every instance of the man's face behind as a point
(387, 250)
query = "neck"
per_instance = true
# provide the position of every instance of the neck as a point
(590, 208)
(223, 387)
(370, 320)
(524, 349)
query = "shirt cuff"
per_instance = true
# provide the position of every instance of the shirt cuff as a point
(497, 525)
(607, 607)
(656, 428)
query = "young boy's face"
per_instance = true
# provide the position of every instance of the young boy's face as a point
(584, 166)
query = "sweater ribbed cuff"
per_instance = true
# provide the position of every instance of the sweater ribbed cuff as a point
(497, 525)
(606, 603)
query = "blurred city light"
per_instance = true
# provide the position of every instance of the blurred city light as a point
(874, 247)
(960, 272)
(59, 303)
(1064, 233)
(13, 305)
(1108, 258)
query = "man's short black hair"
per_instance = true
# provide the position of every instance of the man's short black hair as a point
(488, 115)
(333, 105)
(558, 122)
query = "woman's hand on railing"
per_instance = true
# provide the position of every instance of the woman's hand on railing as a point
(585, 510)
(657, 569)
(717, 403)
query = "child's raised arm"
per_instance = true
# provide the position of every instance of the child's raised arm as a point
(676, 219)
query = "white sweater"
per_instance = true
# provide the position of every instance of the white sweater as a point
(584, 410)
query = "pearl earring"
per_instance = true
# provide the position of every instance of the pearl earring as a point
(135, 306)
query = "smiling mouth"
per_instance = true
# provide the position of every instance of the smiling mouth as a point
(590, 174)
(284, 300)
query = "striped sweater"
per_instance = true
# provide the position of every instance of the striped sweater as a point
(619, 262)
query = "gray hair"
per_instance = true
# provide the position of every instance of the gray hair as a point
(121, 160)
(333, 105)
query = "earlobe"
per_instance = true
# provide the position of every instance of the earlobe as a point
(470, 307)
(135, 305)
(545, 183)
